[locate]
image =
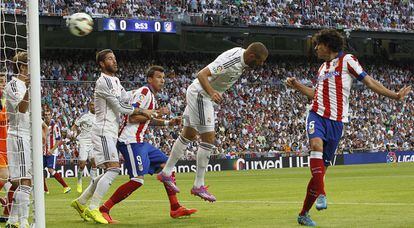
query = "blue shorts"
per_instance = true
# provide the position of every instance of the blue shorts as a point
(141, 158)
(329, 131)
(49, 161)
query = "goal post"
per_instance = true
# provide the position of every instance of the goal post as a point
(33, 46)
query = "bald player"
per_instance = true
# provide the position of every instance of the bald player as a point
(198, 117)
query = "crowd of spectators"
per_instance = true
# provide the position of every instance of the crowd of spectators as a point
(382, 15)
(259, 115)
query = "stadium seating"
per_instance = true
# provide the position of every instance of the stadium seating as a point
(375, 15)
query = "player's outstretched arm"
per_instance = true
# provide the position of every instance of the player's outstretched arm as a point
(307, 91)
(377, 87)
(161, 122)
(203, 79)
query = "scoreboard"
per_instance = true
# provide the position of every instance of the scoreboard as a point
(135, 25)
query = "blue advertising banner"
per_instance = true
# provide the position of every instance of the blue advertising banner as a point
(379, 157)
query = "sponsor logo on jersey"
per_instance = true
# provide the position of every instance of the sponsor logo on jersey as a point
(329, 75)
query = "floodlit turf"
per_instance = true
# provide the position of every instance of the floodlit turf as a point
(380, 195)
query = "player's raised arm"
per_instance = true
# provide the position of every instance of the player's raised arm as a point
(307, 91)
(203, 79)
(377, 87)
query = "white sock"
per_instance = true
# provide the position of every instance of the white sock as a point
(87, 194)
(177, 151)
(203, 157)
(93, 173)
(80, 173)
(102, 187)
(20, 208)
(24, 201)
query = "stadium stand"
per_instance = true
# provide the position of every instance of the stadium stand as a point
(372, 15)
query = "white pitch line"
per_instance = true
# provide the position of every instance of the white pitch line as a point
(256, 202)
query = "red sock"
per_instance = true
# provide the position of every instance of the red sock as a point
(120, 194)
(311, 196)
(45, 185)
(172, 196)
(59, 178)
(316, 184)
(10, 195)
(318, 173)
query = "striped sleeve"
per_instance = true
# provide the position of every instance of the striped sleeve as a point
(141, 98)
(354, 68)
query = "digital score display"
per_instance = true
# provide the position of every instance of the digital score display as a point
(135, 25)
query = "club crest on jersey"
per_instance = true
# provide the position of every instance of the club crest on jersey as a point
(218, 69)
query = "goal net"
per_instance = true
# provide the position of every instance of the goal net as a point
(21, 168)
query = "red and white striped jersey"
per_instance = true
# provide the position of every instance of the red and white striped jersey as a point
(333, 87)
(133, 132)
(52, 137)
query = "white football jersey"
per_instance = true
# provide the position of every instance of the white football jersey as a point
(132, 132)
(110, 100)
(19, 123)
(85, 123)
(225, 70)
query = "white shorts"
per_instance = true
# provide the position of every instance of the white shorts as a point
(85, 151)
(104, 149)
(19, 157)
(199, 112)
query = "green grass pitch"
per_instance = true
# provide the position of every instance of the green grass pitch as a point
(380, 195)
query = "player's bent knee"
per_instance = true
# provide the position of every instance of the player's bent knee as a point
(208, 138)
(189, 133)
(316, 144)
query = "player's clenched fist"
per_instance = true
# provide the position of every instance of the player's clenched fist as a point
(163, 111)
(403, 92)
(291, 82)
(176, 121)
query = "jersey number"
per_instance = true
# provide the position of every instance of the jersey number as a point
(139, 161)
(311, 127)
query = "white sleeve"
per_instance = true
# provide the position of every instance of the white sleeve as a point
(13, 95)
(223, 62)
(103, 90)
(125, 96)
